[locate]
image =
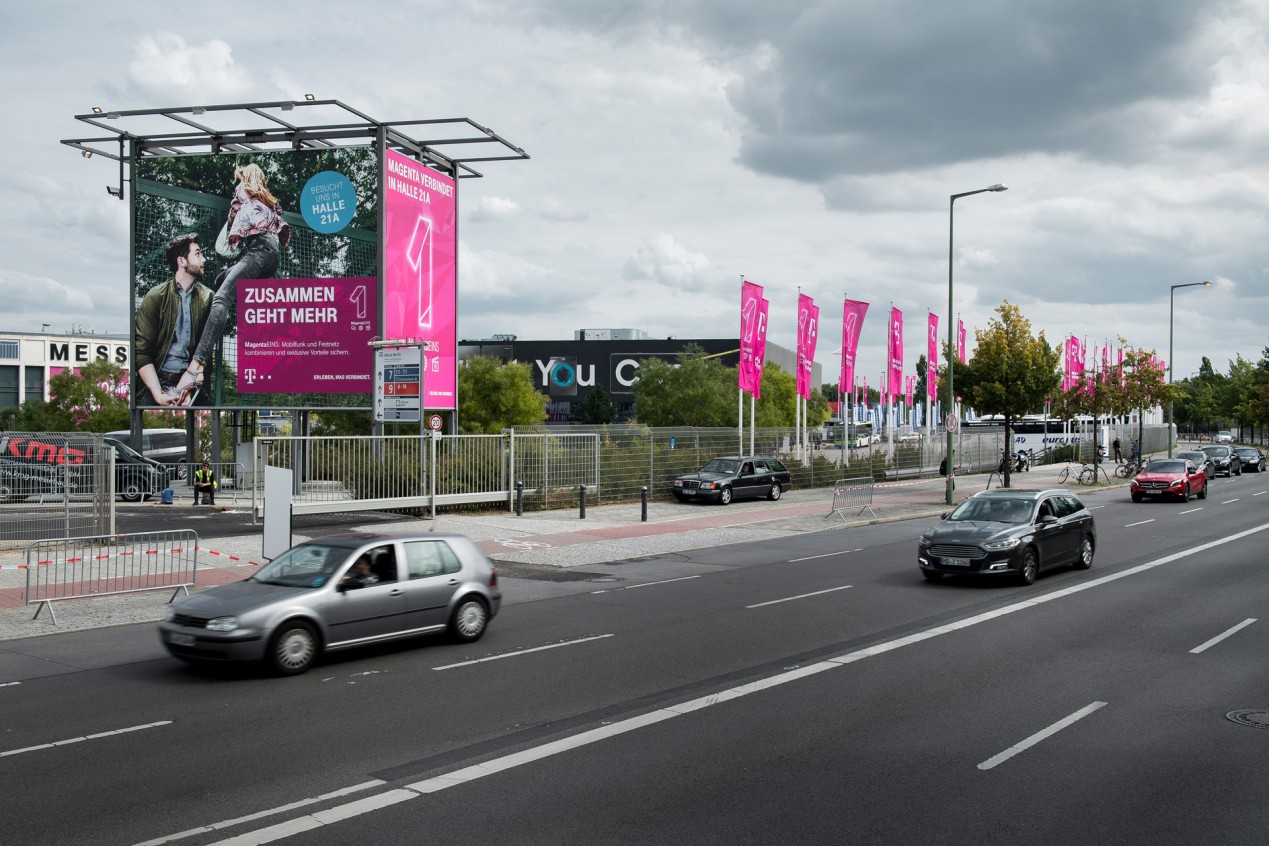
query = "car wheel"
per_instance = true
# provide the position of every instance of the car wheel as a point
(293, 648)
(1030, 567)
(1203, 493)
(724, 496)
(1136, 497)
(469, 620)
(931, 576)
(1185, 494)
(775, 492)
(1086, 554)
(131, 491)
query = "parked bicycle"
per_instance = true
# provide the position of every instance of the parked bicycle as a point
(1087, 474)
(1130, 468)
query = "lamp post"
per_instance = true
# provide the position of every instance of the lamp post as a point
(951, 340)
(1171, 311)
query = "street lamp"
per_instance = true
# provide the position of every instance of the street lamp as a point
(1171, 311)
(951, 341)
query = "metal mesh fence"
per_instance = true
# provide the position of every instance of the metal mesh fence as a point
(54, 485)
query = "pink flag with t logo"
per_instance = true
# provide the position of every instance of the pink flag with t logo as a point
(853, 312)
(931, 355)
(895, 347)
(750, 295)
(808, 328)
(760, 347)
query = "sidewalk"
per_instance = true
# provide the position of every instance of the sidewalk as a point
(541, 544)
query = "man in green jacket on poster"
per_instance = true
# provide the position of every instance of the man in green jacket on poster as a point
(168, 323)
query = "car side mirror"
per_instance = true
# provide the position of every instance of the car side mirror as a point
(1046, 520)
(347, 585)
(945, 515)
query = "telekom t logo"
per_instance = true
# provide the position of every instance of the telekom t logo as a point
(420, 243)
(249, 374)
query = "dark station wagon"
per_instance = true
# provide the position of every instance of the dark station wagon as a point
(734, 477)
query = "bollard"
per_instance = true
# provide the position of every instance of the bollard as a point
(581, 498)
(519, 499)
(643, 517)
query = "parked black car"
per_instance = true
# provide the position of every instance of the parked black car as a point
(1252, 458)
(732, 477)
(1202, 459)
(1225, 459)
(1010, 532)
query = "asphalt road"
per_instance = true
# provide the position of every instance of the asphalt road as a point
(815, 690)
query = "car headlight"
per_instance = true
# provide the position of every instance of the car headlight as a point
(1007, 543)
(678, 483)
(222, 624)
(711, 486)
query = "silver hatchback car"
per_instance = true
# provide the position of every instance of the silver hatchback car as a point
(338, 592)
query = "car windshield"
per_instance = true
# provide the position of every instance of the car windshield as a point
(309, 565)
(1200, 457)
(721, 465)
(1216, 450)
(123, 448)
(1166, 466)
(1015, 511)
(1247, 451)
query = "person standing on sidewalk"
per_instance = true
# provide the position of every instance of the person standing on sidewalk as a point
(205, 484)
(1119, 456)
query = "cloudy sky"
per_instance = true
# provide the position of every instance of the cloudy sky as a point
(680, 144)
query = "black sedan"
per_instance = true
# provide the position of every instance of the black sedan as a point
(1252, 458)
(1225, 459)
(1010, 533)
(1202, 459)
(732, 477)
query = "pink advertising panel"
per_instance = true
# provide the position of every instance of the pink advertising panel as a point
(306, 336)
(420, 282)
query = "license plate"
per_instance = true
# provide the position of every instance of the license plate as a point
(955, 562)
(180, 639)
(1152, 493)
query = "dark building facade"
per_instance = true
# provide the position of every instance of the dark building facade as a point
(567, 371)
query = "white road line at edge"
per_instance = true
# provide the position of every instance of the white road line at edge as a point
(1040, 735)
(85, 737)
(825, 555)
(647, 584)
(1244, 624)
(507, 762)
(801, 596)
(521, 652)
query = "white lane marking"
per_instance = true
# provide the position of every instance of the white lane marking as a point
(521, 652)
(9, 684)
(1040, 735)
(1095, 507)
(1192, 510)
(85, 737)
(1261, 493)
(1142, 523)
(647, 584)
(813, 557)
(206, 829)
(440, 782)
(1244, 624)
(1228, 501)
(801, 596)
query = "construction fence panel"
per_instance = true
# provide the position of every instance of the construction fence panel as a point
(553, 467)
(103, 565)
(54, 485)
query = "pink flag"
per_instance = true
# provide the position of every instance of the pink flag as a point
(931, 355)
(960, 340)
(750, 294)
(1106, 363)
(895, 346)
(909, 385)
(760, 347)
(853, 312)
(807, 320)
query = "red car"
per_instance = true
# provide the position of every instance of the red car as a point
(1176, 477)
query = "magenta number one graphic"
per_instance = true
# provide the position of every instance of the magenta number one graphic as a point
(420, 241)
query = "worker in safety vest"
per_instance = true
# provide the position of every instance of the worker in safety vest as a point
(205, 484)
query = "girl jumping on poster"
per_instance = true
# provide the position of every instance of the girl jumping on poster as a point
(256, 226)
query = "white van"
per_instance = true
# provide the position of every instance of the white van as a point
(164, 445)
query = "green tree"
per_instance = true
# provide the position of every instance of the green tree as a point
(93, 400)
(1145, 384)
(596, 409)
(1012, 371)
(775, 409)
(493, 396)
(698, 391)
